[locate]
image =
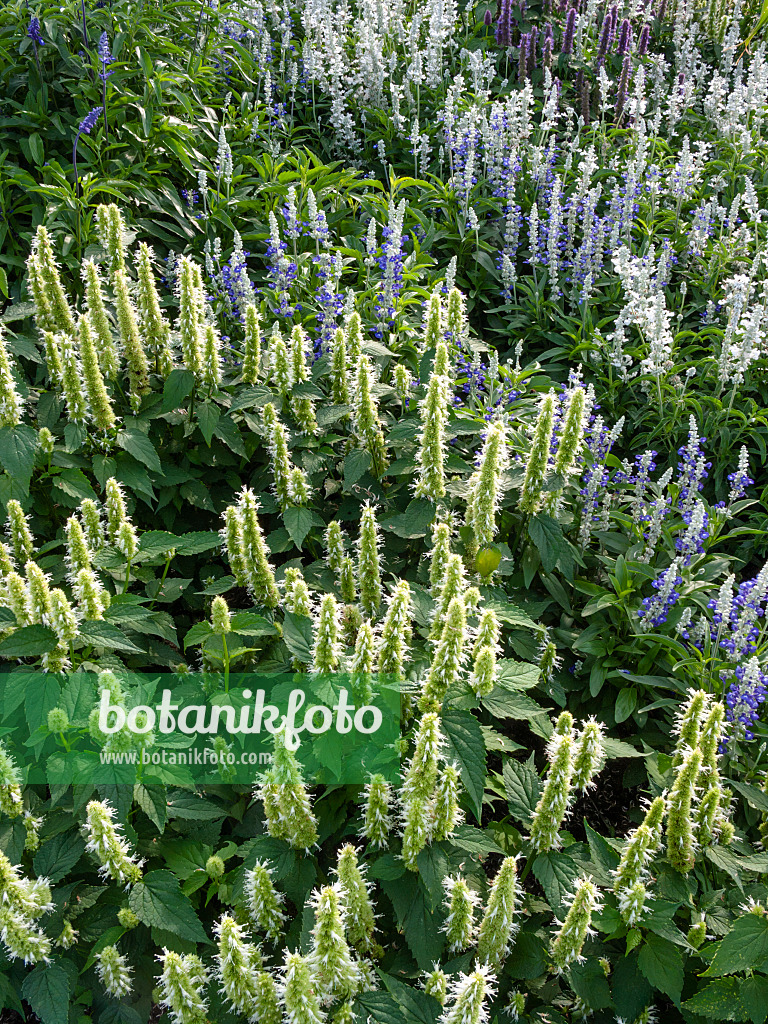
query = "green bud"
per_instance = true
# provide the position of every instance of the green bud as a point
(326, 649)
(436, 984)
(697, 934)
(58, 720)
(679, 836)
(214, 867)
(396, 633)
(19, 534)
(365, 417)
(330, 958)
(127, 918)
(220, 616)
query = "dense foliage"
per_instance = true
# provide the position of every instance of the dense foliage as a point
(409, 344)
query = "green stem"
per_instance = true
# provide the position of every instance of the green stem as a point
(226, 662)
(127, 577)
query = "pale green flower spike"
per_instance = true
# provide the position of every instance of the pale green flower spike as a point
(456, 319)
(251, 345)
(17, 598)
(296, 597)
(299, 991)
(126, 541)
(182, 987)
(58, 304)
(688, 723)
(72, 381)
(46, 439)
(362, 664)
(101, 408)
(433, 322)
(68, 936)
(63, 620)
(264, 902)
(418, 789)
(485, 486)
(446, 813)
(567, 944)
(488, 632)
(339, 384)
(113, 971)
(326, 650)
(18, 532)
(221, 617)
(466, 999)
(368, 571)
(7, 563)
(155, 329)
(127, 918)
(29, 898)
(365, 417)
(10, 402)
(549, 660)
(590, 755)
(697, 934)
(21, 938)
(111, 230)
(498, 926)
(111, 850)
(441, 551)
(447, 660)
(359, 918)
(99, 320)
(287, 807)
(330, 958)
(538, 457)
(266, 1001)
(189, 324)
(679, 835)
(354, 338)
(334, 546)
(279, 362)
(277, 445)
(232, 544)
(36, 285)
(11, 800)
(345, 1014)
(133, 347)
(93, 526)
(39, 607)
(436, 984)
(78, 556)
(632, 903)
(236, 964)
(377, 819)
(553, 803)
(259, 575)
(575, 420)
(211, 374)
(347, 584)
(710, 819)
(53, 358)
(642, 846)
(516, 1005)
(396, 633)
(92, 600)
(482, 678)
(453, 585)
(300, 350)
(433, 411)
(402, 381)
(459, 924)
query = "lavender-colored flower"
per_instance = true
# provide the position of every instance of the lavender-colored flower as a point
(34, 32)
(488, 18)
(86, 127)
(642, 43)
(570, 29)
(625, 38)
(504, 24)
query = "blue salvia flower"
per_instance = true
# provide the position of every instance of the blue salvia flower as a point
(106, 58)
(34, 32)
(86, 127)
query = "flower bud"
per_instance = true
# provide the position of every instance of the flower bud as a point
(220, 616)
(697, 934)
(466, 1001)
(189, 324)
(58, 720)
(133, 347)
(19, 534)
(111, 230)
(299, 991)
(296, 597)
(486, 486)
(259, 574)
(57, 305)
(395, 633)
(441, 551)
(98, 399)
(432, 453)
(447, 660)
(459, 925)
(326, 649)
(214, 867)
(287, 806)
(436, 984)
(232, 543)
(127, 918)
(237, 962)
(339, 383)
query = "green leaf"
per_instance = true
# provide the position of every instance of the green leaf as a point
(631, 992)
(602, 852)
(157, 900)
(589, 982)
(196, 543)
(47, 990)
(517, 675)
(743, 948)
(754, 796)
(556, 872)
(71, 487)
(378, 1008)
(28, 642)
(419, 1008)
(356, 464)
(661, 963)
(523, 787)
(207, 417)
(465, 745)
(547, 534)
(298, 636)
(228, 432)
(528, 958)
(177, 387)
(104, 634)
(137, 444)
(720, 1001)
(504, 703)
(473, 840)
(754, 995)
(415, 919)
(252, 624)
(154, 802)
(626, 702)
(412, 523)
(298, 523)
(18, 446)
(198, 634)
(58, 856)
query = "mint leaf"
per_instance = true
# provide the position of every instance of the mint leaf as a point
(158, 901)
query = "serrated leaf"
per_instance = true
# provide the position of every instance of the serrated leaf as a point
(157, 900)
(228, 432)
(719, 1001)
(753, 993)
(415, 919)
(298, 636)
(298, 522)
(743, 948)
(465, 745)
(28, 642)
(412, 523)
(557, 873)
(207, 417)
(196, 543)
(176, 388)
(523, 787)
(18, 446)
(547, 534)
(47, 990)
(137, 444)
(356, 464)
(473, 840)
(153, 801)
(100, 633)
(58, 856)
(505, 703)
(661, 963)
(198, 634)
(378, 1008)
